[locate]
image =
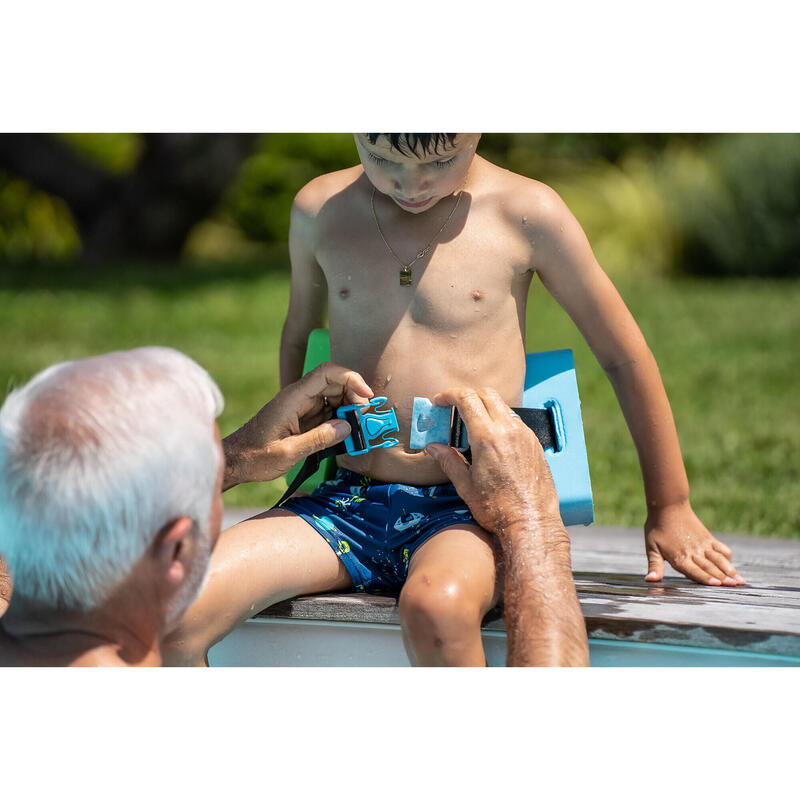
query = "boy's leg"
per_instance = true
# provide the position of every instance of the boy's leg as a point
(261, 561)
(452, 582)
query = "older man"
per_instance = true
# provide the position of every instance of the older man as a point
(110, 503)
(110, 478)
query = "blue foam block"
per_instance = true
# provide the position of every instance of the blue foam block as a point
(550, 378)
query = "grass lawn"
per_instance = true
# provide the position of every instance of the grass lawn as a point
(728, 354)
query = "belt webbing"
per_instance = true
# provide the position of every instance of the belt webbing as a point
(539, 420)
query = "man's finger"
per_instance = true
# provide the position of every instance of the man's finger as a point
(498, 409)
(453, 464)
(323, 436)
(470, 407)
(334, 382)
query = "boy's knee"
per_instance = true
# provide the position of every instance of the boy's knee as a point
(436, 606)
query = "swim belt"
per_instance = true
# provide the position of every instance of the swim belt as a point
(375, 527)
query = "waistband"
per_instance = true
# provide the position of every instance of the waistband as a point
(348, 476)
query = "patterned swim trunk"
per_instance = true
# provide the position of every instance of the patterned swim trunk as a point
(375, 527)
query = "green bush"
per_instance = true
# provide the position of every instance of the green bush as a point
(33, 224)
(260, 199)
(705, 204)
(737, 205)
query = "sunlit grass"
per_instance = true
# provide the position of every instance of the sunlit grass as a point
(728, 355)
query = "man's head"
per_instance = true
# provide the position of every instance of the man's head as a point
(111, 467)
(416, 170)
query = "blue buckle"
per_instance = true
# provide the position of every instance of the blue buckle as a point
(368, 425)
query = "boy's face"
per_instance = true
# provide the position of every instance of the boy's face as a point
(417, 183)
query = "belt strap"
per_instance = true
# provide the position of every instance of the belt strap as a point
(310, 466)
(539, 420)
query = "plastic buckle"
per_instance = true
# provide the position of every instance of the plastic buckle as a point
(430, 423)
(368, 425)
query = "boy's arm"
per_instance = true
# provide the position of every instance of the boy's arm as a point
(567, 267)
(308, 288)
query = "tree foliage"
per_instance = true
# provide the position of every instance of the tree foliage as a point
(708, 204)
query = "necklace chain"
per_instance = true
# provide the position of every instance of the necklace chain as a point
(405, 269)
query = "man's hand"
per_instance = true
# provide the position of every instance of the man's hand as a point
(510, 492)
(509, 481)
(5, 587)
(293, 425)
(676, 535)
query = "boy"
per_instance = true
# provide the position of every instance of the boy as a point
(424, 253)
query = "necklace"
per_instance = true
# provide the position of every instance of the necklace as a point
(406, 273)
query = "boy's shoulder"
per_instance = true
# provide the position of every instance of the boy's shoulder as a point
(519, 196)
(319, 192)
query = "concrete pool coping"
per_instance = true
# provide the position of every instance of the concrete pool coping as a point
(609, 566)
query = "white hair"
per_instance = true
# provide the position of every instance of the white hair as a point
(96, 456)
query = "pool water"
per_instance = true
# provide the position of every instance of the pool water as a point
(604, 653)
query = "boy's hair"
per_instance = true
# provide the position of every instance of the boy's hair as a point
(407, 143)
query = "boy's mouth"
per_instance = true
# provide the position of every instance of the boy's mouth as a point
(417, 204)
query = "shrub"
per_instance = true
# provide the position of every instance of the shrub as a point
(736, 205)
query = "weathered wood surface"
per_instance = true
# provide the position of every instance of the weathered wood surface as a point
(609, 566)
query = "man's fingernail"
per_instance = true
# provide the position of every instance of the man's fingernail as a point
(738, 577)
(715, 581)
(340, 426)
(432, 453)
(650, 574)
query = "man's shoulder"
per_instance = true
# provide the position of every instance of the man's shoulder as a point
(326, 193)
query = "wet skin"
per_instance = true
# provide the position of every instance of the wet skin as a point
(460, 324)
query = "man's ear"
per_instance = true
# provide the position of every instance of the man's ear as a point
(170, 545)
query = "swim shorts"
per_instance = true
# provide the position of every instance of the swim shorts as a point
(375, 527)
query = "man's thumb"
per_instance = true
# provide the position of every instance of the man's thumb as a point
(453, 464)
(655, 566)
(325, 435)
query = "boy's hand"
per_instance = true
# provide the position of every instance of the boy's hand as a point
(676, 535)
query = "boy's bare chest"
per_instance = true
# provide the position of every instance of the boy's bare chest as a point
(466, 281)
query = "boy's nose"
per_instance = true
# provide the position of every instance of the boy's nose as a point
(412, 188)
(412, 184)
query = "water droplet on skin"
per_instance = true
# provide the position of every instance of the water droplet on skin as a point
(524, 219)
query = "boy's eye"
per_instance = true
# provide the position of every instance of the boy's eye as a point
(441, 164)
(377, 159)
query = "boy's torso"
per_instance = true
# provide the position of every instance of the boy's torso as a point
(462, 321)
